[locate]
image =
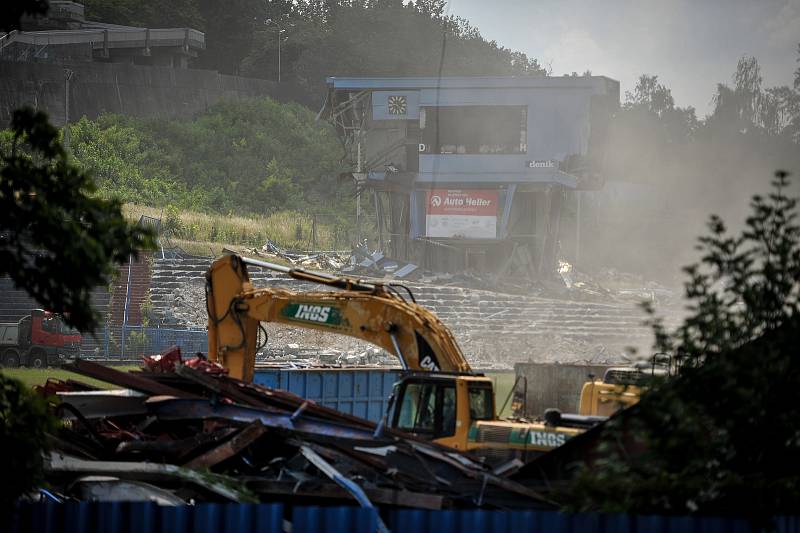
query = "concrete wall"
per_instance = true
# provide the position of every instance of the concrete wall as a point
(97, 88)
(555, 386)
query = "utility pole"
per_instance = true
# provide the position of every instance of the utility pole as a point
(358, 191)
(578, 229)
(67, 77)
(279, 54)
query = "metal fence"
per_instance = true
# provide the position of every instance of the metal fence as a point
(131, 342)
(122, 517)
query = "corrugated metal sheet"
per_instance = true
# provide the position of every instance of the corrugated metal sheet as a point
(268, 518)
(134, 517)
(358, 391)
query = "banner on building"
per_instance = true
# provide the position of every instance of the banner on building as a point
(466, 213)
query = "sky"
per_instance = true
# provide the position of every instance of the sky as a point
(690, 44)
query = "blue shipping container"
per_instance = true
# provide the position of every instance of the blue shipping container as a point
(362, 392)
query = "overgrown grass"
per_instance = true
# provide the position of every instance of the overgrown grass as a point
(38, 376)
(289, 229)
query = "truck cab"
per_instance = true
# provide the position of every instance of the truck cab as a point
(38, 340)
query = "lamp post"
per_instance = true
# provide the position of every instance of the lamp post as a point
(279, 30)
(67, 77)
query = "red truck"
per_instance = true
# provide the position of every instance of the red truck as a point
(38, 340)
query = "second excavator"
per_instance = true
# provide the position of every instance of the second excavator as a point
(439, 396)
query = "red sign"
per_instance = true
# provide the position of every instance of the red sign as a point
(473, 202)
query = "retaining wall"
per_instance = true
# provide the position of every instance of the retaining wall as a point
(123, 88)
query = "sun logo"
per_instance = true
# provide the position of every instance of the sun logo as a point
(397, 105)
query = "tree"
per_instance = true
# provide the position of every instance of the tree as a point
(24, 425)
(15, 10)
(723, 437)
(381, 38)
(58, 240)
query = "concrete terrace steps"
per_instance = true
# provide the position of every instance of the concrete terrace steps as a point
(469, 313)
(139, 278)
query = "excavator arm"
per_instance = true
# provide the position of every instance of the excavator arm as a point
(375, 313)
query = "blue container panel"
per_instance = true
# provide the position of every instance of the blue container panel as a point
(123, 517)
(360, 392)
(268, 378)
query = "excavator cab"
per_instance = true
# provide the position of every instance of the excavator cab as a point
(442, 407)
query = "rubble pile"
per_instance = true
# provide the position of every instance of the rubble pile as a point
(360, 261)
(322, 260)
(183, 432)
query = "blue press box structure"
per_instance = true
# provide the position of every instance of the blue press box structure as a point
(362, 392)
(122, 517)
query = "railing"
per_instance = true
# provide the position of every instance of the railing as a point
(110, 38)
(132, 342)
(8, 38)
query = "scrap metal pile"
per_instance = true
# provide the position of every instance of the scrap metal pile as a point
(183, 431)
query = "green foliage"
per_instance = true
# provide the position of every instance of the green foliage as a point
(746, 284)
(124, 161)
(24, 425)
(346, 38)
(59, 240)
(14, 10)
(135, 342)
(721, 438)
(171, 223)
(228, 25)
(258, 156)
(338, 37)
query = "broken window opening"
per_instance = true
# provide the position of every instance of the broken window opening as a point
(486, 130)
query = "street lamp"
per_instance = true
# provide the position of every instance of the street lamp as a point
(279, 31)
(67, 77)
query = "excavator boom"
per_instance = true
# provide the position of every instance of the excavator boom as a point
(375, 313)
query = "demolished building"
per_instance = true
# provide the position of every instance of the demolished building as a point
(471, 173)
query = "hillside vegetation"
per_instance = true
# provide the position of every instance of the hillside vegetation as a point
(252, 157)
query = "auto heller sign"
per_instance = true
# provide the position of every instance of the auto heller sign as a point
(466, 213)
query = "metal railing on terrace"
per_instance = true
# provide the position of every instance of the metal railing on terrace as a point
(126, 343)
(105, 39)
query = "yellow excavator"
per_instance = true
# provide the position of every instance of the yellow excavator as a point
(439, 397)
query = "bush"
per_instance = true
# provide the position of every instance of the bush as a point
(723, 437)
(251, 157)
(24, 424)
(171, 225)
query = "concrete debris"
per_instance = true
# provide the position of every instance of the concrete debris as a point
(376, 264)
(322, 260)
(199, 436)
(360, 261)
